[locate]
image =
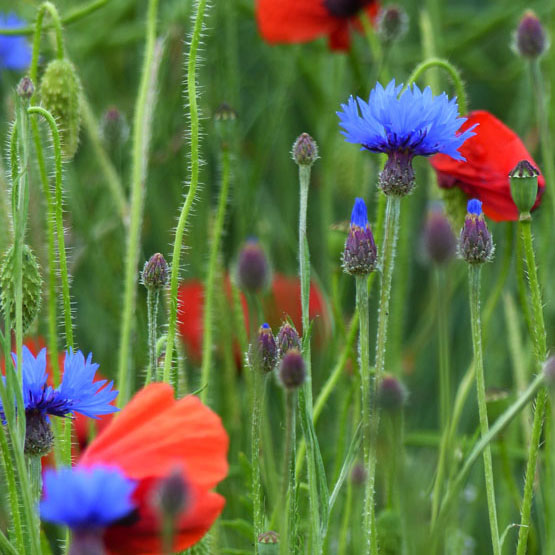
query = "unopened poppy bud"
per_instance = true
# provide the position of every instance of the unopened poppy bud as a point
(224, 120)
(171, 496)
(114, 128)
(392, 394)
(360, 253)
(39, 438)
(253, 269)
(287, 339)
(263, 353)
(156, 272)
(292, 370)
(438, 239)
(60, 91)
(524, 187)
(531, 40)
(305, 150)
(268, 543)
(31, 286)
(549, 372)
(25, 88)
(392, 23)
(475, 243)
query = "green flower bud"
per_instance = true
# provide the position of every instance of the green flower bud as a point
(31, 286)
(524, 187)
(60, 92)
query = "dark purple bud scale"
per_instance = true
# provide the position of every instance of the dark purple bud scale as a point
(439, 241)
(39, 438)
(360, 254)
(253, 270)
(475, 243)
(263, 353)
(397, 177)
(531, 40)
(345, 8)
(287, 339)
(292, 371)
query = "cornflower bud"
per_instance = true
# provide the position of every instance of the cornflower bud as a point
(114, 128)
(530, 39)
(253, 269)
(438, 239)
(392, 23)
(292, 371)
(31, 286)
(287, 339)
(263, 353)
(156, 272)
(524, 187)
(358, 474)
(392, 394)
(475, 243)
(60, 92)
(360, 253)
(305, 150)
(25, 88)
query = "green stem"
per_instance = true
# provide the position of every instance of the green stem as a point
(59, 221)
(141, 136)
(51, 9)
(289, 494)
(388, 262)
(207, 347)
(152, 298)
(540, 349)
(193, 183)
(475, 320)
(453, 73)
(257, 400)
(75, 15)
(368, 426)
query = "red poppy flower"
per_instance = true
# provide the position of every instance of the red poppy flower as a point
(291, 21)
(490, 155)
(284, 299)
(148, 440)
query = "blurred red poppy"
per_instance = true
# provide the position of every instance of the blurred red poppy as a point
(292, 21)
(490, 155)
(283, 299)
(150, 439)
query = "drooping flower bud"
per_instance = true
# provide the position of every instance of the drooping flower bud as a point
(268, 543)
(39, 438)
(25, 88)
(438, 239)
(171, 496)
(263, 352)
(392, 394)
(475, 243)
(292, 370)
(397, 177)
(253, 269)
(31, 286)
(524, 187)
(392, 23)
(530, 39)
(305, 150)
(114, 129)
(360, 253)
(60, 92)
(287, 339)
(156, 272)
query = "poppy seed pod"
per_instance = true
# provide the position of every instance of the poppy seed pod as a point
(524, 187)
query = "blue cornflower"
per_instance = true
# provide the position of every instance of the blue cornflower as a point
(403, 125)
(78, 392)
(474, 206)
(360, 253)
(86, 498)
(15, 52)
